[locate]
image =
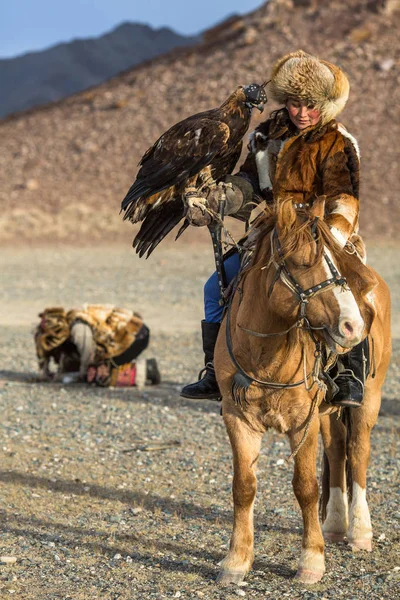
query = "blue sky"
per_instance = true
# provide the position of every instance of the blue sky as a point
(28, 25)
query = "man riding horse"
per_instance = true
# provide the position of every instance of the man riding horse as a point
(301, 152)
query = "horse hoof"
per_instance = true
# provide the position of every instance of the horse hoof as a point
(226, 577)
(308, 577)
(333, 537)
(357, 545)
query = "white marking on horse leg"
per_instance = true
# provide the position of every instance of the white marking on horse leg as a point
(312, 560)
(337, 521)
(360, 529)
(311, 566)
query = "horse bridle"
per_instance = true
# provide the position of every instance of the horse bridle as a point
(287, 278)
(283, 273)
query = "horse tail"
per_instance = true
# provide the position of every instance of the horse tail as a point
(323, 501)
(346, 420)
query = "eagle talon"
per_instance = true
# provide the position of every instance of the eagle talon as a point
(206, 179)
(195, 201)
(209, 183)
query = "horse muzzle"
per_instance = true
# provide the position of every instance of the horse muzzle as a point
(346, 335)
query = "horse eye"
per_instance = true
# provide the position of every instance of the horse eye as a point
(301, 264)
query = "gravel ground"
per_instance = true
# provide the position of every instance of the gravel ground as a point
(91, 506)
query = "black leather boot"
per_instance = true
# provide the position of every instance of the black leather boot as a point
(207, 386)
(351, 376)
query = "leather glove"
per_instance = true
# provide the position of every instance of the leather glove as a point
(196, 213)
(199, 204)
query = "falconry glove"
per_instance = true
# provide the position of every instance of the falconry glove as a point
(201, 209)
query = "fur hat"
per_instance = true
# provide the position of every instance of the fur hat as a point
(300, 75)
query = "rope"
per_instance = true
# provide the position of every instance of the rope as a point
(216, 217)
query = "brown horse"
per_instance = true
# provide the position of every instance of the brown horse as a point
(301, 297)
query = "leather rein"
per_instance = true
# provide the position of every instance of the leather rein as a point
(302, 322)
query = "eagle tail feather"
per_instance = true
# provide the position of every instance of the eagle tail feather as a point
(182, 228)
(157, 225)
(165, 231)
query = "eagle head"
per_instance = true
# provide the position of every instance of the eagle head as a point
(255, 95)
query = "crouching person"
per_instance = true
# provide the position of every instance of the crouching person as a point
(96, 344)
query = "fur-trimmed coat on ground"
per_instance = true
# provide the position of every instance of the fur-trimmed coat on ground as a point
(285, 162)
(113, 331)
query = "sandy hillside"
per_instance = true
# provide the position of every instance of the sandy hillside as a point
(65, 167)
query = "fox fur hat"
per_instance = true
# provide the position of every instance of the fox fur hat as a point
(300, 75)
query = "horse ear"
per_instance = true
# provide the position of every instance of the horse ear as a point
(318, 207)
(286, 214)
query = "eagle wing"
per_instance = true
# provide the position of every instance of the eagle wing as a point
(178, 155)
(161, 219)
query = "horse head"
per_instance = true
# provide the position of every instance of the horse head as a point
(306, 282)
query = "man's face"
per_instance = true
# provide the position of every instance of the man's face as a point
(301, 114)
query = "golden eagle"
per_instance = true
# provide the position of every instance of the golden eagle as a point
(186, 159)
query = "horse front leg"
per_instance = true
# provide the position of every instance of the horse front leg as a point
(305, 485)
(362, 420)
(245, 444)
(334, 495)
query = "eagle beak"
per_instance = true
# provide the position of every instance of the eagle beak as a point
(260, 107)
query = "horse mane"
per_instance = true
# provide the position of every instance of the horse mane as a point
(296, 230)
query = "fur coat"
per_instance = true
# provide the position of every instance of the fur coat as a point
(283, 162)
(114, 330)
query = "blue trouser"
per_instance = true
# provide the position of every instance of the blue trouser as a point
(212, 308)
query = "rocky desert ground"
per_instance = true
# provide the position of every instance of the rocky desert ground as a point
(125, 493)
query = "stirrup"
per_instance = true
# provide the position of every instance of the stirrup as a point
(350, 392)
(208, 367)
(205, 388)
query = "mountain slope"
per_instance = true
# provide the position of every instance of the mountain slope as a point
(65, 168)
(41, 77)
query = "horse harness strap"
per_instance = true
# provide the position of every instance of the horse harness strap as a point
(245, 377)
(283, 273)
(292, 283)
(241, 379)
(215, 232)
